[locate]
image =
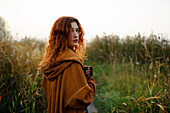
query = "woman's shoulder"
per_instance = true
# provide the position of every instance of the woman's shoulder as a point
(69, 55)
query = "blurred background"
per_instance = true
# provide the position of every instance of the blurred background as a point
(121, 17)
(127, 45)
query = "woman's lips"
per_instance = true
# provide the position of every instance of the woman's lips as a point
(75, 41)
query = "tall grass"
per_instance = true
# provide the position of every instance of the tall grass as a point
(138, 48)
(132, 74)
(20, 81)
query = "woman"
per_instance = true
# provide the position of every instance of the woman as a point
(64, 83)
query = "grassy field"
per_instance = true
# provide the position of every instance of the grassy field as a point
(132, 74)
(123, 88)
(131, 77)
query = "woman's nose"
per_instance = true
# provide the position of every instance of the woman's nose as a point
(75, 35)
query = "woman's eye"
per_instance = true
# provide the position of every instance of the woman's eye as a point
(77, 30)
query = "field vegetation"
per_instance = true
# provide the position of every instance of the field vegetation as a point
(132, 74)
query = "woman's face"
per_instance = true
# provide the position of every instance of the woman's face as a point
(74, 36)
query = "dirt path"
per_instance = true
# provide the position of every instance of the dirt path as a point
(91, 108)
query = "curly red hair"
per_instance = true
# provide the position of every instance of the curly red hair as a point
(58, 41)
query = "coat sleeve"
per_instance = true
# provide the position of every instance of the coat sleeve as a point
(78, 90)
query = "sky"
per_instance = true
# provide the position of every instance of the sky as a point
(118, 17)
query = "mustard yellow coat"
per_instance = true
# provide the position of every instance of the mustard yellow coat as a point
(66, 87)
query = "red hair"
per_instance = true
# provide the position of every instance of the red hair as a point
(58, 41)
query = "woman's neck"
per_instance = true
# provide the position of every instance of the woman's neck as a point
(71, 48)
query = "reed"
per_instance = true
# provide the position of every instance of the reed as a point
(20, 81)
(132, 74)
(135, 78)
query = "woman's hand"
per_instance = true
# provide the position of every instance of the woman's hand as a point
(88, 72)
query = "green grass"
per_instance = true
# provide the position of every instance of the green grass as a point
(125, 87)
(132, 74)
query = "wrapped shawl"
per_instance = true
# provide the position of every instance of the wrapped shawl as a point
(66, 87)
